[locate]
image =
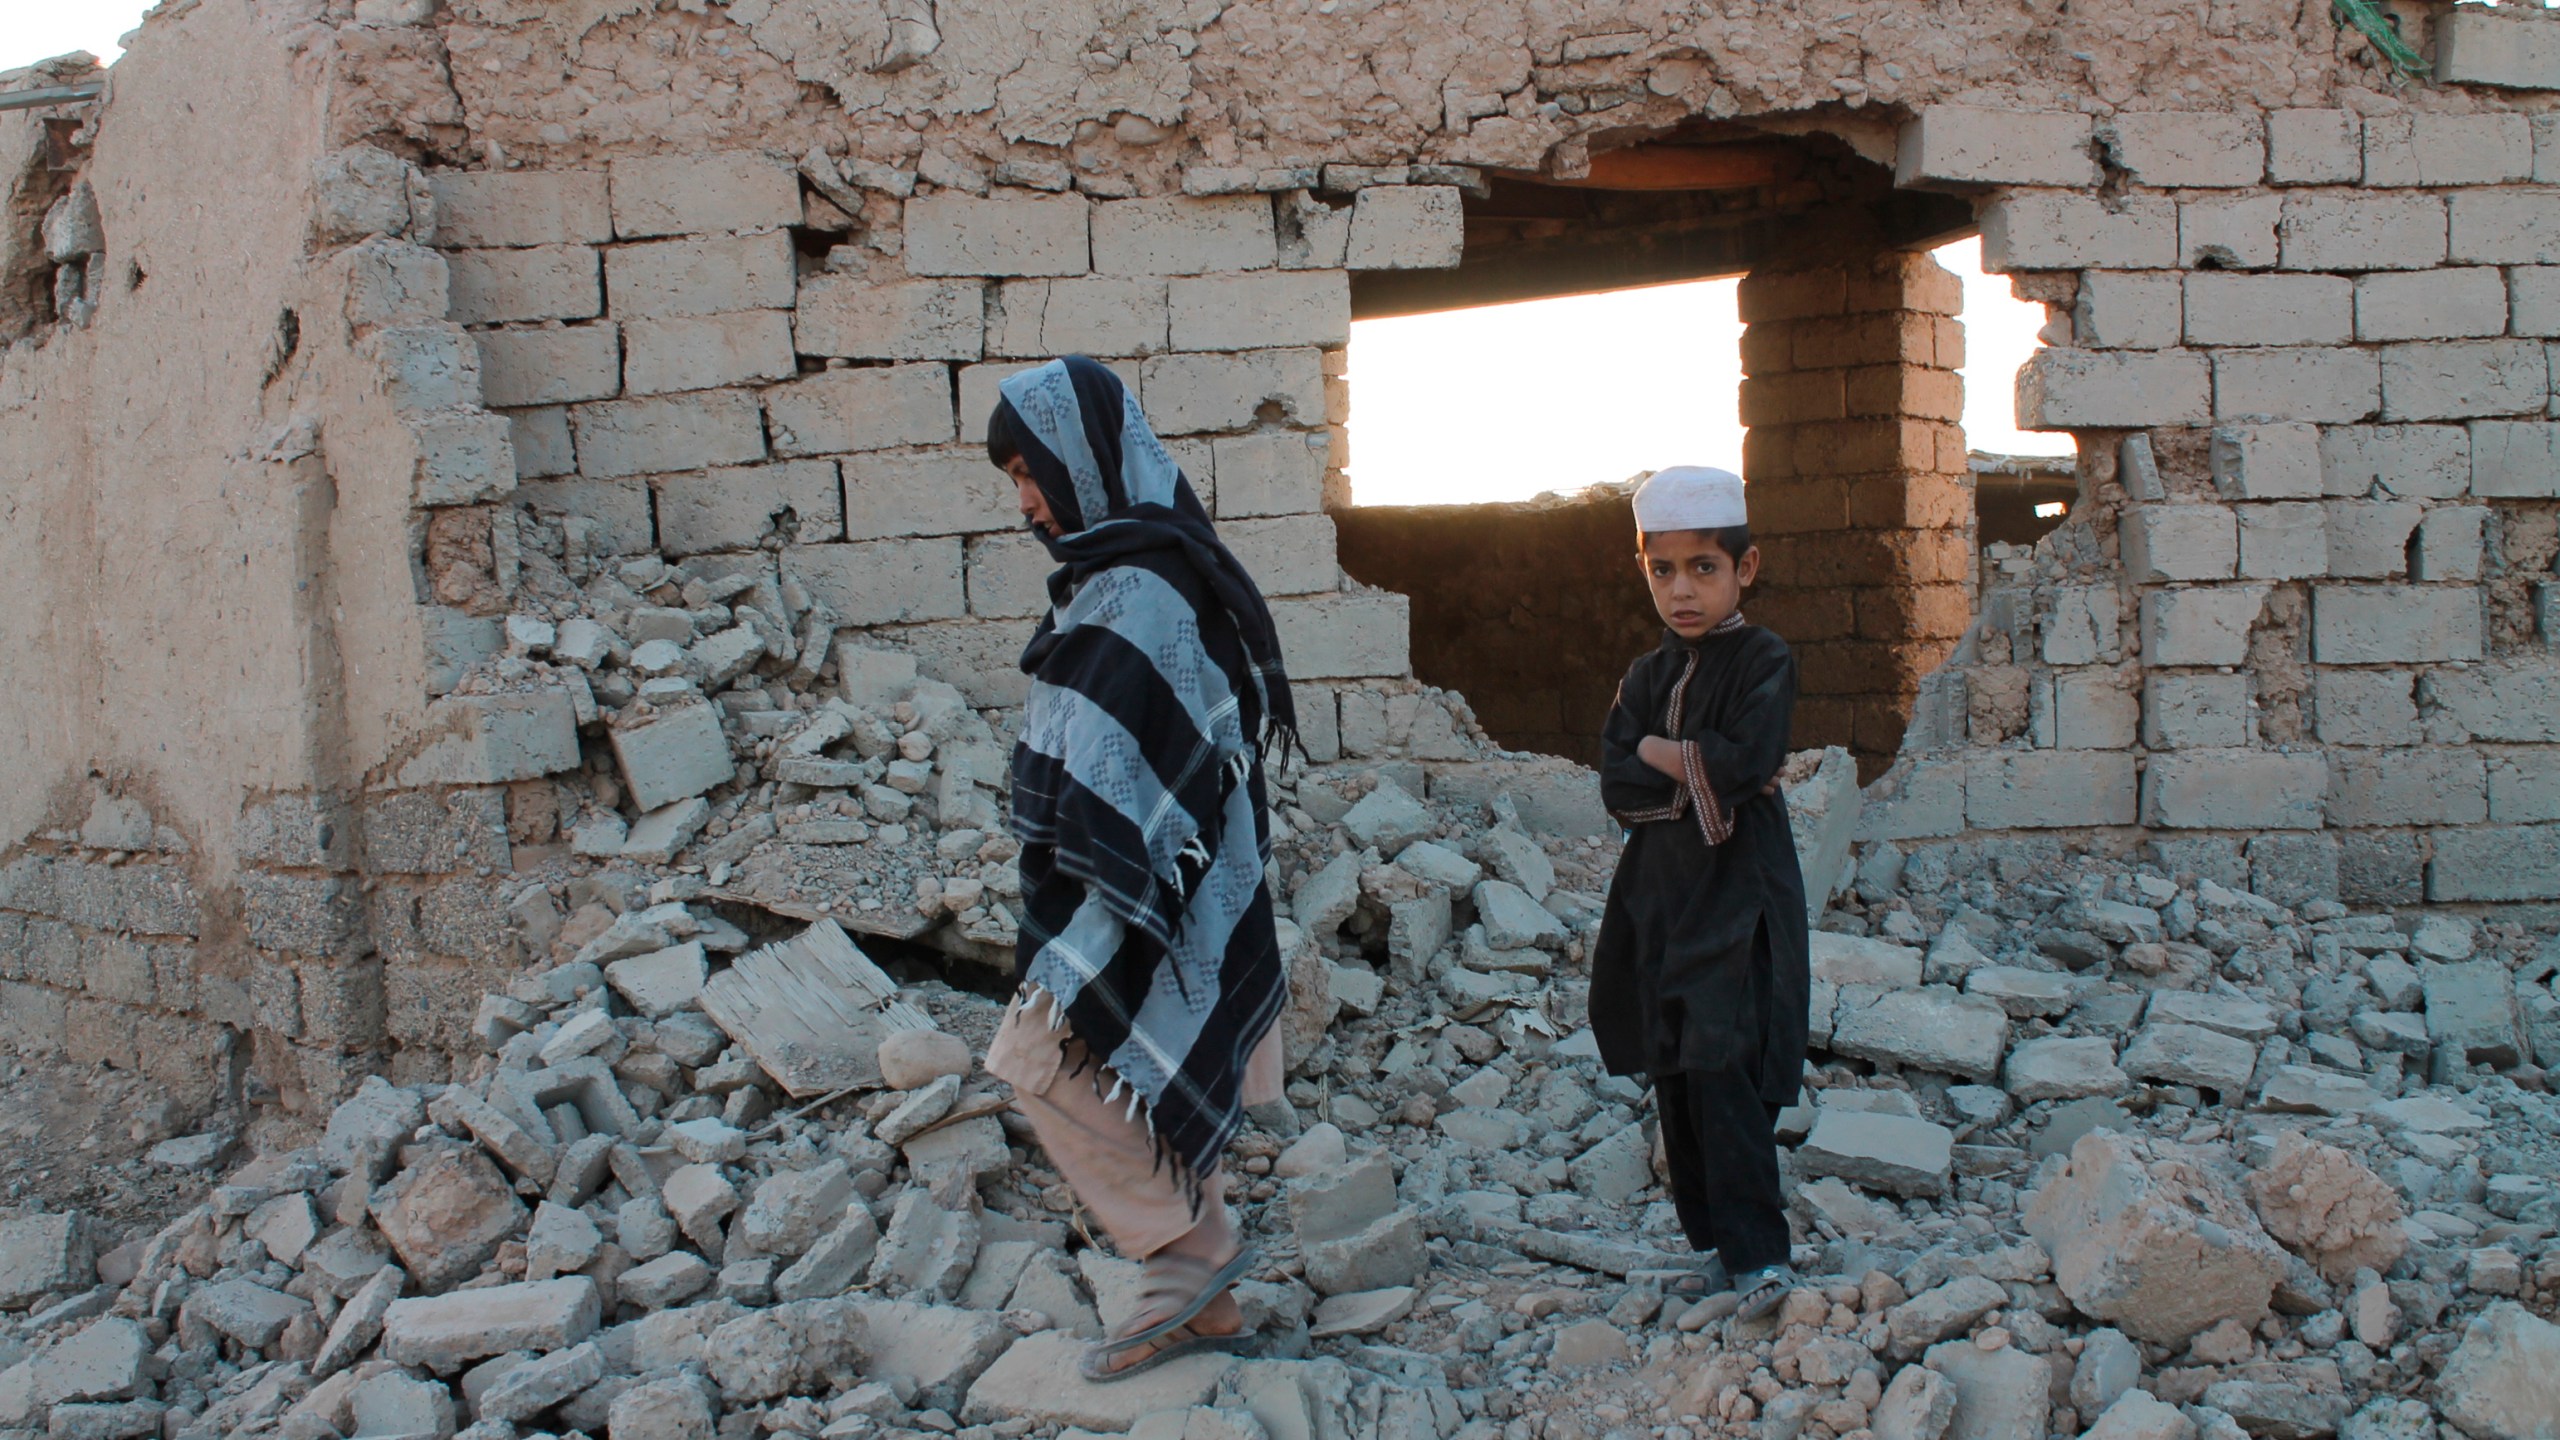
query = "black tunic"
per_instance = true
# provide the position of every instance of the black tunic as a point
(1702, 963)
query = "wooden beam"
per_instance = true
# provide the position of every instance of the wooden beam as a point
(1690, 167)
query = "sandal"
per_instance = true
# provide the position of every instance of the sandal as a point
(1709, 1278)
(1187, 1284)
(1762, 1291)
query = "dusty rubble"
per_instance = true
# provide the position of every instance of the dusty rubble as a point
(2089, 1147)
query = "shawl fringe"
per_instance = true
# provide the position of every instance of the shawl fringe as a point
(1090, 1067)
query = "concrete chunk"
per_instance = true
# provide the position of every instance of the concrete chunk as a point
(2472, 1006)
(446, 1332)
(671, 1279)
(1892, 1153)
(246, 1312)
(2060, 1068)
(1036, 1381)
(1513, 921)
(536, 1386)
(1933, 1028)
(390, 1402)
(2143, 1238)
(1964, 146)
(446, 1215)
(1388, 819)
(1863, 960)
(1939, 1313)
(679, 753)
(2192, 1055)
(661, 982)
(2503, 1381)
(42, 1254)
(494, 740)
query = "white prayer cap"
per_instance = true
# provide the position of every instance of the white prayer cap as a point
(1689, 497)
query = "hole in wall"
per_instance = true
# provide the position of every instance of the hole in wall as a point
(1472, 393)
(280, 350)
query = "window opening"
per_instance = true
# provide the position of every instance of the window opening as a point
(1494, 433)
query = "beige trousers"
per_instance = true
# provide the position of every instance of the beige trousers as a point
(1103, 1150)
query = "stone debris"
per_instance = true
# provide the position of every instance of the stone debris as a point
(2031, 1193)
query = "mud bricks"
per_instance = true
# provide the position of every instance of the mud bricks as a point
(1860, 499)
(100, 958)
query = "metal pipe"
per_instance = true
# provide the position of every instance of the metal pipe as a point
(51, 95)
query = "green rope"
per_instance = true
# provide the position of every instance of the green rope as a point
(2378, 30)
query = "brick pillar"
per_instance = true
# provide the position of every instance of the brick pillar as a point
(1860, 498)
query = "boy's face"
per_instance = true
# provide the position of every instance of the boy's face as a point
(1028, 499)
(1695, 584)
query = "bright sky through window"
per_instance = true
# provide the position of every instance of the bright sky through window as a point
(1505, 401)
(33, 30)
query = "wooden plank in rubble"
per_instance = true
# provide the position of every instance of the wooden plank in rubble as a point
(811, 1010)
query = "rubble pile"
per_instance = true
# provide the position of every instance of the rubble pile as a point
(738, 742)
(786, 771)
(2088, 1147)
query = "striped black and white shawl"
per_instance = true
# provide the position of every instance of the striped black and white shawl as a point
(1156, 689)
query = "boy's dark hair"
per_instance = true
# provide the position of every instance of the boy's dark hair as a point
(1733, 540)
(1004, 444)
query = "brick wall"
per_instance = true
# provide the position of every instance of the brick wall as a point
(1531, 611)
(1861, 498)
(2305, 353)
(103, 954)
(726, 299)
(681, 379)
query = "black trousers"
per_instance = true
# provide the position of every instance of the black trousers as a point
(1723, 1153)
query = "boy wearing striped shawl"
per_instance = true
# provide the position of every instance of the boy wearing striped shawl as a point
(1700, 977)
(1148, 967)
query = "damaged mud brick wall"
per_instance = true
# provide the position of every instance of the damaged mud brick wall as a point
(573, 490)
(2306, 367)
(501, 486)
(1538, 654)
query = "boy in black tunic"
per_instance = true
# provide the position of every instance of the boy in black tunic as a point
(1700, 978)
